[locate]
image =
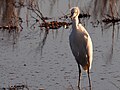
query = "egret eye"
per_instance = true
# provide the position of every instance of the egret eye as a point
(76, 11)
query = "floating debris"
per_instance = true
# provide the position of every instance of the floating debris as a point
(15, 87)
(84, 15)
(52, 24)
(111, 19)
(55, 24)
(8, 27)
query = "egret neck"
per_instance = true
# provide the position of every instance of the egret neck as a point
(75, 23)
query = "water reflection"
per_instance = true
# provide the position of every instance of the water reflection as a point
(107, 13)
(34, 17)
(9, 19)
(105, 7)
(8, 13)
(10, 9)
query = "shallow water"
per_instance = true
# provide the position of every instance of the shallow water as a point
(56, 69)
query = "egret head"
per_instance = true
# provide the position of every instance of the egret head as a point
(75, 11)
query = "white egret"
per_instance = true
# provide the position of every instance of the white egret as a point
(81, 44)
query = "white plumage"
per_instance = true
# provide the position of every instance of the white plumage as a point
(81, 44)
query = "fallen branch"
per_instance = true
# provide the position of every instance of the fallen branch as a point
(54, 24)
(84, 15)
(111, 19)
(8, 27)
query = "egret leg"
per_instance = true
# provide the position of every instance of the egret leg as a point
(79, 84)
(88, 71)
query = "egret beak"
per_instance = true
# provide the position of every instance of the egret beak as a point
(68, 15)
(71, 15)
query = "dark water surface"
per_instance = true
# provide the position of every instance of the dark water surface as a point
(56, 69)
